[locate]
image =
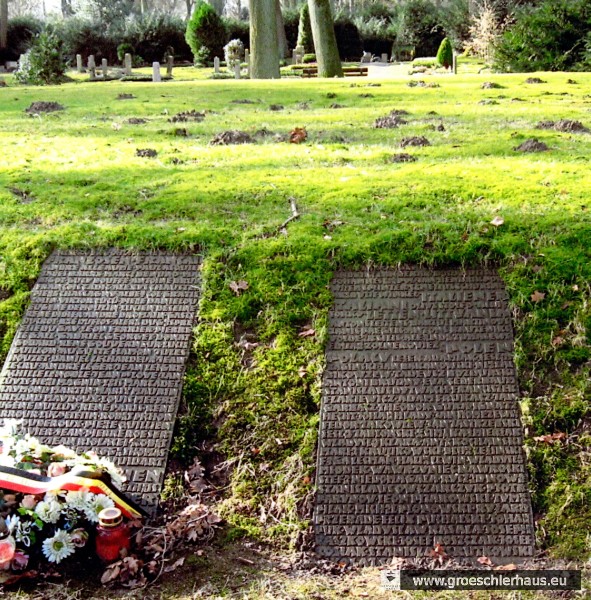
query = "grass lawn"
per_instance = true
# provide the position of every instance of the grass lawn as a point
(72, 178)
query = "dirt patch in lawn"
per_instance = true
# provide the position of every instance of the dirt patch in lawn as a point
(231, 137)
(188, 116)
(532, 145)
(146, 152)
(564, 126)
(414, 141)
(43, 107)
(402, 157)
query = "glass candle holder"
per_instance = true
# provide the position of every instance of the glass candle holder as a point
(112, 535)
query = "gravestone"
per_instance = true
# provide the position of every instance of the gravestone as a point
(156, 72)
(216, 64)
(91, 66)
(420, 437)
(454, 67)
(366, 58)
(98, 360)
(247, 61)
(104, 67)
(169, 64)
(384, 58)
(127, 64)
(79, 63)
(237, 71)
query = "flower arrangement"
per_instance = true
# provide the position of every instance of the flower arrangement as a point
(53, 525)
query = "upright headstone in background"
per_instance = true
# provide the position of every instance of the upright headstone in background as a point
(421, 441)
(92, 66)
(216, 65)
(79, 63)
(169, 64)
(384, 58)
(127, 63)
(156, 72)
(98, 360)
(455, 64)
(247, 61)
(104, 68)
(237, 70)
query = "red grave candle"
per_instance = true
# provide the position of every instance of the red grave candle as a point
(112, 535)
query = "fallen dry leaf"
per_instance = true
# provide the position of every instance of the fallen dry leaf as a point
(111, 573)
(497, 221)
(238, 286)
(438, 552)
(509, 567)
(306, 480)
(550, 438)
(485, 560)
(558, 341)
(575, 288)
(298, 135)
(302, 371)
(307, 333)
(175, 565)
(537, 296)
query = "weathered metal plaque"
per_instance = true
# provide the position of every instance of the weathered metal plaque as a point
(99, 359)
(420, 438)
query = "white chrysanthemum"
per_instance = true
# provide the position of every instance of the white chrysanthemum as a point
(79, 499)
(96, 504)
(64, 451)
(54, 495)
(116, 474)
(90, 461)
(49, 512)
(58, 547)
(10, 428)
(12, 522)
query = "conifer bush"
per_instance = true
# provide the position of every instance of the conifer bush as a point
(206, 33)
(445, 54)
(305, 30)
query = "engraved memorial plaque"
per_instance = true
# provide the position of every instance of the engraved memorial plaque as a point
(98, 361)
(420, 437)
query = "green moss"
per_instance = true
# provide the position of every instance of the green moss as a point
(252, 387)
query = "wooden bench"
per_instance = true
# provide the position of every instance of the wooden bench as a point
(347, 71)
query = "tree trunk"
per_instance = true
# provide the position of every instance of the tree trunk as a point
(281, 37)
(189, 4)
(67, 9)
(325, 41)
(3, 24)
(263, 40)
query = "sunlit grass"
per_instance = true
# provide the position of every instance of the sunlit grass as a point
(72, 179)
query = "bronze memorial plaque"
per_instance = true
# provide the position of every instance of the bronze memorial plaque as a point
(420, 438)
(98, 361)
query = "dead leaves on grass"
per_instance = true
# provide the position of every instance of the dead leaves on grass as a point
(238, 286)
(298, 135)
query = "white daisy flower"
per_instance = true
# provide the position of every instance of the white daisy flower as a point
(58, 547)
(48, 511)
(96, 504)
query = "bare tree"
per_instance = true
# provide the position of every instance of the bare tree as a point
(281, 37)
(190, 4)
(3, 24)
(263, 40)
(325, 41)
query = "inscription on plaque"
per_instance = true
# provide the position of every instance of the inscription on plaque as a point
(99, 358)
(420, 438)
